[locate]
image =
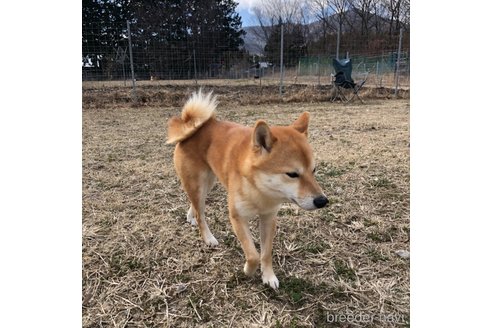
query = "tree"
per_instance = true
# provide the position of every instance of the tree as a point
(366, 26)
(321, 11)
(166, 34)
(101, 32)
(364, 11)
(395, 10)
(291, 12)
(294, 45)
(215, 32)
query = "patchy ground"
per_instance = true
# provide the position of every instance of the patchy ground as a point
(144, 266)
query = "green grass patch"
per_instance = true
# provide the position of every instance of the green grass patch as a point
(182, 278)
(315, 247)
(375, 255)
(381, 182)
(379, 236)
(338, 292)
(121, 265)
(328, 217)
(323, 170)
(343, 271)
(295, 288)
(112, 158)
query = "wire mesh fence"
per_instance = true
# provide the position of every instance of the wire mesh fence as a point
(380, 69)
(108, 56)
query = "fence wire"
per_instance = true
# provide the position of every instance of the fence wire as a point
(106, 58)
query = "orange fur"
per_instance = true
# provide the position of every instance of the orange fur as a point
(261, 167)
(197, 110)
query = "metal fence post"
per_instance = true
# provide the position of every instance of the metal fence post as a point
(378, 85)
(281, 56)
(194, 66)
(398, 63)
(338, 39)
(134, 94)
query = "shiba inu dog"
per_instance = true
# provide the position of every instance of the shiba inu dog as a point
(260, 167)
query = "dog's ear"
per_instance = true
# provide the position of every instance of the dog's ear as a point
(301, 124)
(262, 136)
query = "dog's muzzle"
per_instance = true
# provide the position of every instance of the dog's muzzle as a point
(320, 201)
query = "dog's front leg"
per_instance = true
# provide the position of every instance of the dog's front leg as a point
(241, 229)
(267, 226)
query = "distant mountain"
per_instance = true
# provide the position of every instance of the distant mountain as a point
(254, 41)
(352, 20)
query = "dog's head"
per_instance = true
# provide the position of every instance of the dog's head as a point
(284, 166)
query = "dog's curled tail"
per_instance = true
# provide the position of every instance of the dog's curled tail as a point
(197, 110)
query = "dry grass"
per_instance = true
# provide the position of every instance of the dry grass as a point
(291, 78)
(173, 95)
(144, 266)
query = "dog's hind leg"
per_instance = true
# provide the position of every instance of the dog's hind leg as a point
(197, 179)
(197, 187)
(190, 216)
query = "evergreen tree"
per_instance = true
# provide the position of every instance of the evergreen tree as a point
(294, 45)
(167, 35)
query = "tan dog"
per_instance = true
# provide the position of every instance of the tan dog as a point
(261, 168)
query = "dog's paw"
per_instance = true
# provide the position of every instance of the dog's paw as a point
(190, 218)
(211, 241)
(270, 280)
(250, 267)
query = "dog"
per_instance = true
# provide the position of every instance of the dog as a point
(260, 167)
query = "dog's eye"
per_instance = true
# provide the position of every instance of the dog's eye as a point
(293, 174)
(314, 170)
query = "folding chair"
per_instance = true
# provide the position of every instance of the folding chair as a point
(343, 80)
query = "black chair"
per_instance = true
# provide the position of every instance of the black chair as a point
(343, 80)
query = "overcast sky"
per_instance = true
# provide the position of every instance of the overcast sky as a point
(245, 10)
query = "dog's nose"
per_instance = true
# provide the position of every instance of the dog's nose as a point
(320, 201)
